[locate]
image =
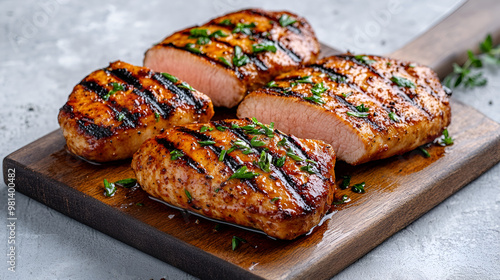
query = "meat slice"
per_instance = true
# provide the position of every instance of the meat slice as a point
(366, 107)
(236, 52)
(112, 111)
(242, 172)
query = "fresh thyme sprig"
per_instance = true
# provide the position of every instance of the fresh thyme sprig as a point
(462, 75)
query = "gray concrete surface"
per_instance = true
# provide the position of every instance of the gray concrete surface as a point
(48, 46)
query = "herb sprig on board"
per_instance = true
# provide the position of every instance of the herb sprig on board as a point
(464, 76)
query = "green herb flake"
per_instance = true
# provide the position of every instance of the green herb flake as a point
(424, 152)
(308, 168)
(358, 114)
(257, 143)
(120, 117)
(206, 142)
(204, 128)
(318, 89)
(221, 128)
(402, 82)
(157, 116)
(139, 204)
(362, 108)
(272, 84)
(188, 194)
(346, 94)
(394, 117)
(242, 173)
(343, 200)
(305, 80)
(222, 155)
(218, 34)
(275, 199)
(239, 58)
(359, 188)
(225, 22)
(235, 242)
(282, 142)
(116, 87)
(264, 46)
(346, 181)
(203, 41)
(126, 183)
(293, 156)
(198, 32)
(244, 28)
(109, 188)
(175, 154)
(364, 59)
(445, 139)
(169, 77)
(315, 99)
(280, 162)
(192, 48)
(217, 190)
(186, 86)
(265, 161)
(286, 20)
(225, 62)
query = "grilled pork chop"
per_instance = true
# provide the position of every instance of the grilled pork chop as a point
(366, 107)
(112, 111)
(243, 172)
(236, 52)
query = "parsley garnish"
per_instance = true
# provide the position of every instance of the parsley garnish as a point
(445, 140)
(236, 241)
(286, 20)
(197, 32)
(280, 161)
(346, 181)
(364, 59)
(218, 34)
(308, 169)
(272, 84)
(242, 173)
(343, 200)
(315, 99)
(318, 89)
(225, 62)
(186, 86)
(175, 154)
(264, 46)
(109, 188)
(462, 74)
(282, 142)
(225, 22)
(257, 143)
(275, 199)
(190, 198)
(222, 155)
(362, 108)
(402, 82)
(116, 87)
(171, 78)
(157, 116)
(265, 161)
(191, 47)
(393, 116)
(244, 28)
(126, 183)
(358, 114)
(424, 151)
(203, 41)
(293, 156)
(358, 188)
(305, 80)
(221, 128)
(239, 58)
(120, 116)
(345, 95)
(206, 142)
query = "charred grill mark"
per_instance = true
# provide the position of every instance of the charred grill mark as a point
(94, 87)
(259, 63)
(94, 130)
(68, 109)
(353, 108)
(126, 76)
(402, 93)
(229, 161)
(289, 52)
(183, 94)
(191, 162)
(128, 119)
(334, 76)
(288, 181)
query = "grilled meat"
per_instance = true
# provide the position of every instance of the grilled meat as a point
(114, 110)
(243, 172)
(236, 52)
(366, 107)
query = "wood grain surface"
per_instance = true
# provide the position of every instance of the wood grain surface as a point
(398, 191)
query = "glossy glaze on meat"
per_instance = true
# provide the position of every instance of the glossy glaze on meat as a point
(206, 56)
(372, 108)
(184, 167)
(112, 111)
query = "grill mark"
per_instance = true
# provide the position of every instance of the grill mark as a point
(94, 87)
(191, 162)
(161, 108)
(129, 120)
(229, 161)
(184, 94)
(68, 109)
(289, 27)
(283, 176)
(289, 52)
(204, 55)
(94, 130)
(395, 87)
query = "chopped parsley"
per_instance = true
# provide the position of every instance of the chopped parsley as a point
(191, 47)
(275, 199)
(358, 114)
(225, 22)
(244, 28)
(346, 181)
(171, 78)
(242, 173)
(318, 89)
(120, 116)
(308, 168)
(282, 142)
(265, 162)
(315, 99)
(239, 58)
(186, 86)
(293, 156)
(393, 116)
(280, 162)
(424, 152)
(362, 108)
(402, 82)
(126, 183)
(235, 242)
(272, 84)
(206, 142)
(225, 62)
(109, 188)
(305, 80)
(358, 188)
(346, 94)
(343, 200)
(203, 41)
(175, 154)
(218, 34)
(264, 46)
(116, 87)
(198, 32)
(222, 155)
(445, 140)
(157, 116)
(205, 128)
(221, 128)
(188, 194)
(257, 143)
(286, 20)
(364, 59)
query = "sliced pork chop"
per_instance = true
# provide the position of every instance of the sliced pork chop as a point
(112, 111)
(236, 52)
(242, 172)
(366, 107)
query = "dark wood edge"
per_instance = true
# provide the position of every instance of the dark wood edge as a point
(106, 219)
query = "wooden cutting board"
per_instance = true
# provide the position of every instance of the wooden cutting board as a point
(398, 190)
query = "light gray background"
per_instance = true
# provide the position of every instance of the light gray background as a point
(47, 47)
